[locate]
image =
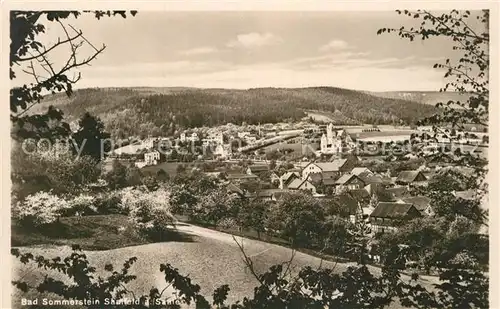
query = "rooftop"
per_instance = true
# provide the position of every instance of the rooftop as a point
(333, 166)
(408, 176)
(391, 210)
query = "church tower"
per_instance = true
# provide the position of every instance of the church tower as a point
(329, 132)
(324, 143)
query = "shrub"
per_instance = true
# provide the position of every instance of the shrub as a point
(39, 209)
(82, 204)
(149, 212)
(109, 203)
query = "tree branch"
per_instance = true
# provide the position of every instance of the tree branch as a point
(46, 51)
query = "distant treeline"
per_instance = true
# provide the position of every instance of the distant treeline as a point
(129, 112)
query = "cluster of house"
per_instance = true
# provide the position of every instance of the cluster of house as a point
(383, 201)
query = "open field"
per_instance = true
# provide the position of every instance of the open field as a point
(169, 167)
(210, 258)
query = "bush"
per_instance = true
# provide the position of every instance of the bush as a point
(39, 209)
(109, 203)
(149, 212)
(82, 204)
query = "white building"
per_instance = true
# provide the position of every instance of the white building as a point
(152, 158)
(251, 139)
(183, 137)
(194, 137)
(140, 164)
(243, 134)
(223, 150)
(214, 138)
(148, 143)
(331, 142)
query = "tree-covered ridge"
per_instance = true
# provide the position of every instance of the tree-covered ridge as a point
(123, 109)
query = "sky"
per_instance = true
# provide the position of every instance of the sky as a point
(256, 49)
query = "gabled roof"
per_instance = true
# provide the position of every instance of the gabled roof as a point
(270, 192)
(333, 166)
(258, 168)
(346, 178)
(329, 181)
(289, 174)
(329, 175)
(359, 170)
(315, 177)
(235, 189)
(375, 179)
(420, 202)
(306, 182)
(408, 176)
(391, 210)
(295, 184)
(241, 176)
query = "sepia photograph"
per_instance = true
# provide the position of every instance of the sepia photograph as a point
(249, 158)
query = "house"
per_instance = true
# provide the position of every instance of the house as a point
(223, 150)
(332, 169)
(301, 184)
(234, 189)
(152, 158)
(274, 178)
(251, 139)
(243, 134)
(376, 179)
(349, 182)
(410, 177)
(387, 216)
(287, 178)
(421, 203)
(233, 177)
(271, 194)
(361, 170)
(193, 137)
(257, 169)
(334, 141)
(216, 138)
(148, 143)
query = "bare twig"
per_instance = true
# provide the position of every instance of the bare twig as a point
(46, 51)
(248, 261)
(88, 42)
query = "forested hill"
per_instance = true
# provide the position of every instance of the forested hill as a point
(139, 111)
(425, 97)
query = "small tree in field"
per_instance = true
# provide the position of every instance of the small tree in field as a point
(39, 209)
